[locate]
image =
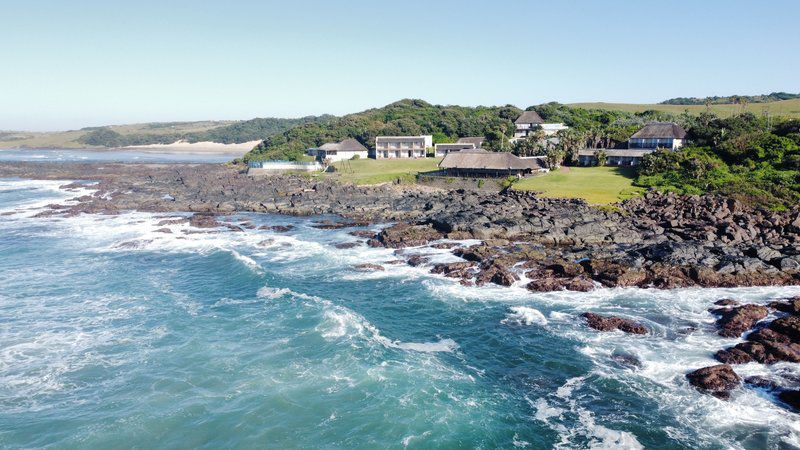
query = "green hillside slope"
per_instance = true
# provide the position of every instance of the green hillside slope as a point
(784, 108)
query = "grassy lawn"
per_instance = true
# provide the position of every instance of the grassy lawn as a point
(598, 185)
(375, 171)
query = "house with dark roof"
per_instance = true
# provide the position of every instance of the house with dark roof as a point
(531, 120)
(657, 135)
(480, 163)
(389, 147)
(614, 156)
(443, 149)
(338, 151)
(477, 141)
(465, 143)
(651, 137)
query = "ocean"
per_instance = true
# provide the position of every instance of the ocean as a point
(112, 156)
(116, 335)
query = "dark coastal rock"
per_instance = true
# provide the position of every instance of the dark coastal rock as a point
(760, 382)
(611, 323)
(779, 341)
(281, 228)
(163, 230)
(417, 260)
(177, 221)
(547, 283)
(726, 302)
(363, 234)
(495, 273)
(368, 267)
(612, 274)
(716, 380)
(331, 225)
(790, 306)
(453, 270)
(404, 235)
(791, 398)
(789, 326)
(444, 245)
(626, 359)
(736, 320)
(659, 240)
(733, 355)
(198, 220)
(346, 245)
(395, 262)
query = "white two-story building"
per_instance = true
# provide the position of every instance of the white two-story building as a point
(530, 120)
(402, 146)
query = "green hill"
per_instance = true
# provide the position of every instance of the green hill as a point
(405, 117)
(731, 99)
(784, 108)
(225, 132)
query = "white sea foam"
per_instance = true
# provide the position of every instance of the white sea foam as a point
(273, 293)
(339, 322)
(525, 315)
(248, 261)
(443, 345)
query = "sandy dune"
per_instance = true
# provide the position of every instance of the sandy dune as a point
(196, 147)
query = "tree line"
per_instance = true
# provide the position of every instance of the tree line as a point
(235, 133)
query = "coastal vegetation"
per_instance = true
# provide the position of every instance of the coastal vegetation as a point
(405, 117)
(233, 133)
(752, 157)
(744, 157)
(112, 136)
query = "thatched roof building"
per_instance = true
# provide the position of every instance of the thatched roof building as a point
(530, 117)
(481, 163)
(660, 130)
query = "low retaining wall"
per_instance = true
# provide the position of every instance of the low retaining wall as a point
(273, 167)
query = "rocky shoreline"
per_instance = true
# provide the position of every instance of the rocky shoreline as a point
(659, 240)
(656, 241)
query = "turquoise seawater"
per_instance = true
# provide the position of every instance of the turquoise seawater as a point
(115, 335)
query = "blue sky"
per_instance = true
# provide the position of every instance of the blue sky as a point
(69, 64)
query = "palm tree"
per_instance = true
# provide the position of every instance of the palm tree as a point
(571, 142)
(595, 136)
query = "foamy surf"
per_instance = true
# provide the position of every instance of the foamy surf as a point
(132, 306)
(525, 315)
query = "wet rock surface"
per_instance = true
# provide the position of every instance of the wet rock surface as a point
(658, 240)
(717, 380)
(766, 342)
(776, 341)
(368, 267)
(611, 323)
(736, 320)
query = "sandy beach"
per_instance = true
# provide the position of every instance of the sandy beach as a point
(196, 147)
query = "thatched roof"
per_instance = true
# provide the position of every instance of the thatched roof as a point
(660, 130)
(473, 159)
(347, 145)
(529, 117)
(477, 141)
